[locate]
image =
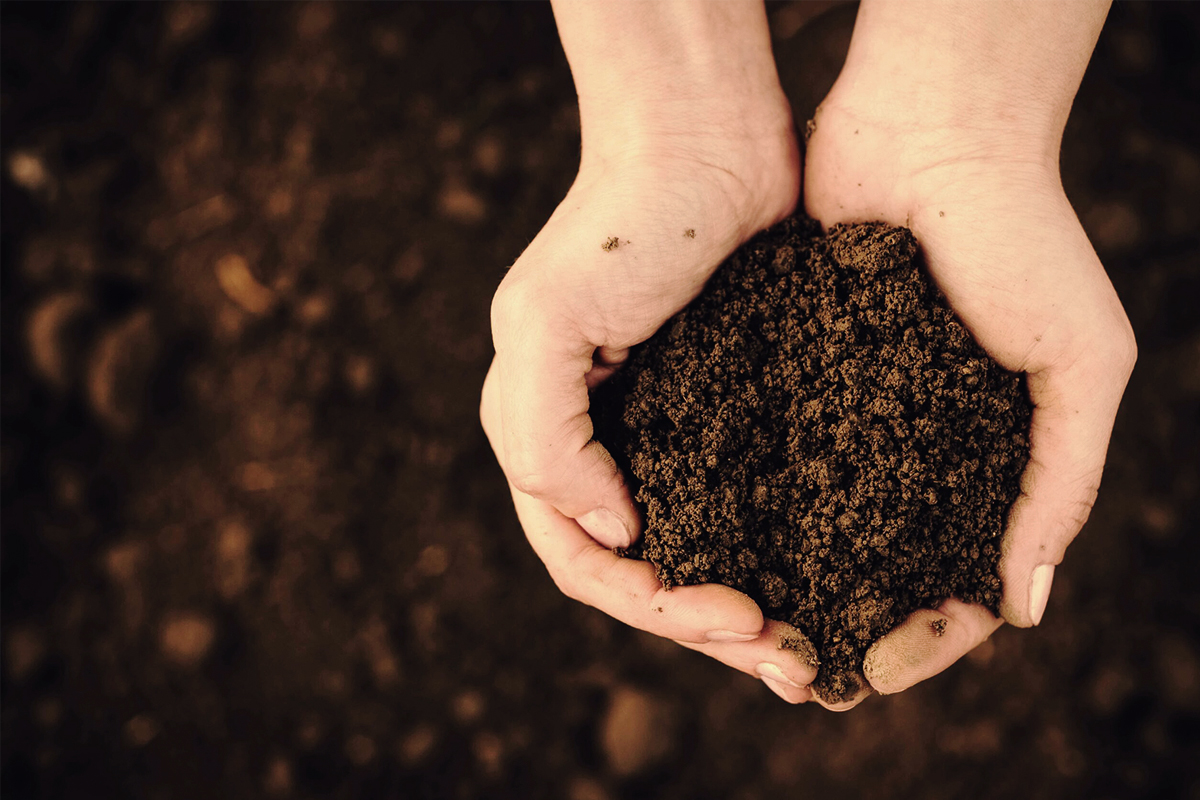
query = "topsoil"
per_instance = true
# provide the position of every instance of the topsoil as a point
(819, 431)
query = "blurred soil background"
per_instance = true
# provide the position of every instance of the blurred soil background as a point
(255, 544)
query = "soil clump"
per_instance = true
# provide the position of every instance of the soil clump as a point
(818, 430)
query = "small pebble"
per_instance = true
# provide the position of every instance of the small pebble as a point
(360, 749)
(25, 649)
(55, 336)
(489, 752)
(240, 285)
(119, 371)
(186, 637)
(461, 204)
(278, 778)
(28, 171)
(233, 558)
(433, 561)
(360, 373)
(417, 745)
(584, 788)
(468, 706)
(637, 731)
(141, 730)
(255, 476)
(488, 155)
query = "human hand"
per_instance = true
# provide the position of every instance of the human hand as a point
(1000, 238)
(682, 162)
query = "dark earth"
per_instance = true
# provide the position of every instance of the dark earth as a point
(254, 543)
(819, 431)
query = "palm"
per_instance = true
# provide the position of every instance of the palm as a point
(630, 245)
(1000, 240)
(1004, 246)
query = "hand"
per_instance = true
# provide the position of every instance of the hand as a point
(1004, 245)
(667, 188)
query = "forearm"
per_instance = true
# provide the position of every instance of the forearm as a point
(646, 69)
(965, 64)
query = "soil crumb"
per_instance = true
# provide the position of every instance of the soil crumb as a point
(690, 233)
(801, 648)
(939, 627)
(611, 243)
(818, 430)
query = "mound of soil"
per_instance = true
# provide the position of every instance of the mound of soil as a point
(819, 431)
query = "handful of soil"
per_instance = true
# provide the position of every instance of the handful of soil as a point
(819, 431)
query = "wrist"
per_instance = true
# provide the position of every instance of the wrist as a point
(750, 170)
(655, 76)
(914, 143)
(682, 116)
(987, 78)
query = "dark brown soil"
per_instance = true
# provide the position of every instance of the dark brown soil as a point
(820, 432)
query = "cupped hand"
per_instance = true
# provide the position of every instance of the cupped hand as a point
(1005, 247)
(632, 243)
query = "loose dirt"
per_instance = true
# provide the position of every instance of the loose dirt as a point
(818, 430)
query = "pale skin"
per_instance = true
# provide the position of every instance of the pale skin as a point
(947, 118)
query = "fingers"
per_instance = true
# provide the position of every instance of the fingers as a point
(539, 388)
(627, 589)
(780, 657)
(1073, 418)
(786, 692)
(613, 519)
(925, 644)
(606, 361)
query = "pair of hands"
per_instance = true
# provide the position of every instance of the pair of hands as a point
(999, 238)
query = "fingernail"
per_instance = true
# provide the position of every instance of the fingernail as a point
(1039, 591)
(772, 672)
(779, 689)
(606, 528)
(730, 636)
(840, 707)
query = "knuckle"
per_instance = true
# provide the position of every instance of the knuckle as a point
(512, 305)
(567, 585)
(527, 478)
(489, 411)
(485, 401)
(1068, 527)
(1128, 350)
(1117, 346)
(535, 472)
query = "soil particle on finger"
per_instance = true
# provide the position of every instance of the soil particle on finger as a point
(818, 430)
(801, 648)
(611, 243)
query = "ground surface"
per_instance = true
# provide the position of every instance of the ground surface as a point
(254, 543)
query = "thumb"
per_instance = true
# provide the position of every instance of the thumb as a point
(538, 387)
(1073, 417)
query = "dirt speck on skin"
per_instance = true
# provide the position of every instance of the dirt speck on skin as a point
(818, 430)
(801, 648)
(939, 627)
(611, 243)
(690, 233)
